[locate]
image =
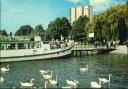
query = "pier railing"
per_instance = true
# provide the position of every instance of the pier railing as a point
(88, 47)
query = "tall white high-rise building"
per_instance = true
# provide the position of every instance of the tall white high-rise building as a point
(76, 12)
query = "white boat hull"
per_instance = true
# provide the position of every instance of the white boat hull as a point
(48, 55)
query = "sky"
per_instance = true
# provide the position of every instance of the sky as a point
(16, 13)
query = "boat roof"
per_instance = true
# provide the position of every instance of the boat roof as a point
(16, 42)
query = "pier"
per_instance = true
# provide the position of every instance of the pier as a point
(90, 49)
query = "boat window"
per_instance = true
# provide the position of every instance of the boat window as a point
(28, 46)
(37, 45)
(46, 42)
(12, 46)
(8, 46)
(2, 46)
(18, 45)
(31, 45)
(21, 46)
(40, 44)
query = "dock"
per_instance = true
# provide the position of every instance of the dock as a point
(90, 50)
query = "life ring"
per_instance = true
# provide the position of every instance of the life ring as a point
(34, 52)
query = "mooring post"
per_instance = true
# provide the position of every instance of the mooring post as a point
(80, 52)
(87, 52)
(127, 48)
(72, 52)
(76, 52)
(92, 52)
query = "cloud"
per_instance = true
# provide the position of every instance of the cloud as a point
(100, 5)
(99, 1)
(91, 1)
(75, 1)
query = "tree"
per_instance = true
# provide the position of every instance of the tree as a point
(65, 28)
(77, 32)
(24, 31)
(49, 31)
(0, 32)
(38, 31)
(4, 33)
(60, 26)
(10, 34)
(110, 25)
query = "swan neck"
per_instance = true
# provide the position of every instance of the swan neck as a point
(99, 82)
(8, 68)
(31, 81)
(56, 77)
(87, 66)
(21, 82)
(109, 78)
(45, 85)
(51, 73)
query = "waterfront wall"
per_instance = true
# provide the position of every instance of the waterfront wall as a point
(121, 49)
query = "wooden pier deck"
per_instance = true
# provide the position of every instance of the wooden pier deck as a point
(90, 49)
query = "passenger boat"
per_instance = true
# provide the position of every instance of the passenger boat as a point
(31, 50)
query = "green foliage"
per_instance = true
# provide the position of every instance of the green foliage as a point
(60, 26)
(77, 32)
(110, 25)
(38, 31)
(0, 32)
(126, 19)
(24, 31)
(10, 34)
(3, 33)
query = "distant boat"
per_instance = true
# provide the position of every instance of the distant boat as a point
(31, 50)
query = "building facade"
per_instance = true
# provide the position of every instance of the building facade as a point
(76, 12)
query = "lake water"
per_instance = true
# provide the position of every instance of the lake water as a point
(69, 68)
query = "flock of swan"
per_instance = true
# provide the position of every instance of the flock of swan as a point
(49, 79)
(46, 76)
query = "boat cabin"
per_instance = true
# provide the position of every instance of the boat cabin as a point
(23, 45)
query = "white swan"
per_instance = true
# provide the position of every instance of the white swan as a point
(104, 80)
(53, 82)
(84, 69)
(5, 69)
(1, 79)
(45, 85)
(72, 83)
(48, 76)
(44, 71)
(96, 85)
(67, 87)
(27, 84)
